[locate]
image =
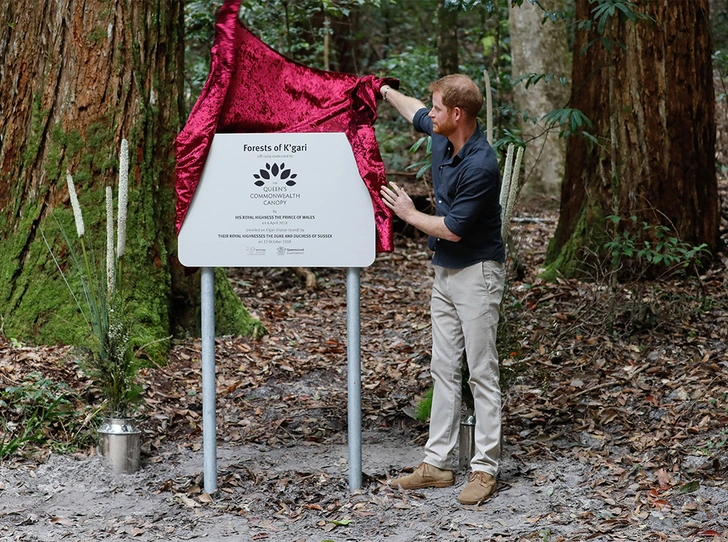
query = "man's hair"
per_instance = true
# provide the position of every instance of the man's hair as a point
(459, 90)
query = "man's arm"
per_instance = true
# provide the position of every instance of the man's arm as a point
(406, 105)
(397, 199)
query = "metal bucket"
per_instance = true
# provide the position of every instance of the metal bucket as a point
(467, 442)
(119, 443)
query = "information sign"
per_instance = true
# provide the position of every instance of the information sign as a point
(279, 200)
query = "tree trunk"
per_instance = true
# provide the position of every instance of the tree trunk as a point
(652, 105)
(540, 48)
(76, 78)
(447, 38)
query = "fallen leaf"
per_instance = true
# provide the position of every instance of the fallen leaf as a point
(184, 499)
(663, 479)
(690, 487)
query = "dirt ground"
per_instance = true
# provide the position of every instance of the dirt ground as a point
(608, 437)
(68, 498)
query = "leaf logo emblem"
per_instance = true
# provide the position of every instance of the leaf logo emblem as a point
(274, 172)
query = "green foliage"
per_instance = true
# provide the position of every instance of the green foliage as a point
(604, 13)
(719, 25)
(415, 67)
(424, 406)
(38, 411)
(571, 121)
(605, 10)
(530, 79)
(643, 244)
(425, 165)
(199, 35)
(711, 446)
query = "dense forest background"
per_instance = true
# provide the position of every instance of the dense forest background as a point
(560, 73)
(399, 39)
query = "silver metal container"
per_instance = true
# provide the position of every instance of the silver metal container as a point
(119, 443)
(467, 442)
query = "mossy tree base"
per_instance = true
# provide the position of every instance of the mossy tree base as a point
(93, 74)
(231, 316)
(582, 250)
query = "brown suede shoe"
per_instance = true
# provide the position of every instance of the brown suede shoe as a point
(425, 475)
(481, 486)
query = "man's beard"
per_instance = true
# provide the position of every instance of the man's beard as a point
(445, 128)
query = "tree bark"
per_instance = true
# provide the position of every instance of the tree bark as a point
(540, 48)
(77, 77)
(652, 105)
(447, 38)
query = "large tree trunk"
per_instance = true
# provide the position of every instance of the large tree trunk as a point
(447, 38)
(540, 48)
(652, 105)
(77, 77)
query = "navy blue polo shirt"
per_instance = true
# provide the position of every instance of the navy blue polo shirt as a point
(467, 194)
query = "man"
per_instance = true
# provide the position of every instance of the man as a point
(465, 234)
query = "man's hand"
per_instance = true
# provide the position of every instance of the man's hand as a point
(397, 199)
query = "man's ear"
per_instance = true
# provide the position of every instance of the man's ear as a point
(458, 112)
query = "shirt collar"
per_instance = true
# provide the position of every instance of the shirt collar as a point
(472, 142)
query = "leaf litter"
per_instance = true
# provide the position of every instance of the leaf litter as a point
(615, 426)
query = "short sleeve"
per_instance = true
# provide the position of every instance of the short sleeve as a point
(422, 122)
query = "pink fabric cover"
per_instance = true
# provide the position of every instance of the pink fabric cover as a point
(252, 89)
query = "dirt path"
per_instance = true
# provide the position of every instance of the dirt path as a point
(262, 489)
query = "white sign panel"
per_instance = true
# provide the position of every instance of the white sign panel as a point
(279, 200)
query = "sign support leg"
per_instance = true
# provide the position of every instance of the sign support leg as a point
(208, 379)
(353, 351)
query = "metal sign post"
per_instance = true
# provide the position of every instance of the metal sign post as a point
(209, 425)
(279, 200)
(353, 354)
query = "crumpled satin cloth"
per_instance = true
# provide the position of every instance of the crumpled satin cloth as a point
(253, 89)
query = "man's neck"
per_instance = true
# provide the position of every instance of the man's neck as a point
(460, 137)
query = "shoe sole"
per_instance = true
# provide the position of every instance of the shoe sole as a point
(429, 484)
(478, 501)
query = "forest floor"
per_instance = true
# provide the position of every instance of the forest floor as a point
(615, 417)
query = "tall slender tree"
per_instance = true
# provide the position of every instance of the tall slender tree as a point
(647, 87)
(447, 37)
(540, 52)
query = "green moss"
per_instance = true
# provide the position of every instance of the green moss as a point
(97, 35)
(62, 145)
(231, 317)
(32, 142)
(36, 304)
(588, 237)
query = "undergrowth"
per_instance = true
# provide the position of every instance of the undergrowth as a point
(41, 412)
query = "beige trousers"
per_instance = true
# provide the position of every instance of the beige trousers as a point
(464, 311)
